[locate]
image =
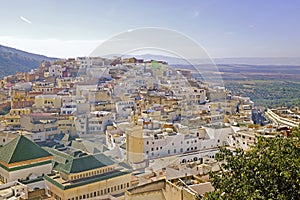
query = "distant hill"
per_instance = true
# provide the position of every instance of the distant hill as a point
(14, 60)
(243, 60)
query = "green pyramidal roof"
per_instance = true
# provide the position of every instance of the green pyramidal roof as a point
(21, 149)
(84, 163)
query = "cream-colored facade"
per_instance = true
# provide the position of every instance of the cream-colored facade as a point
(44, 87)
(183, 188)
(100, 189)
(12, 119)
(65, 82)
(37, 123)
(24, 170)
(47, 101)
(134, 142)
(86, 177)
(66, 125)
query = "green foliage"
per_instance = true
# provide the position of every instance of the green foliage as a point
(269, 170)
(269, 93)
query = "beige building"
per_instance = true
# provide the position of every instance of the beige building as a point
(47, 101)
(66, 125)
(40, 123)
(82, 176)
(12, 119)
(65, 82)
(134, 141)
(44, 87)
(183, 188)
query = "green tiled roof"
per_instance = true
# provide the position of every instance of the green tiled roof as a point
(86, 181)
(84, 163)
(21, 149)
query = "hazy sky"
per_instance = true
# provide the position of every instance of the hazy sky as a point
(225, 28)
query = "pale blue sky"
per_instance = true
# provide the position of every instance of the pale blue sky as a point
(225, 28)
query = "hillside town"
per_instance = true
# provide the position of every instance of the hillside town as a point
(121, 128)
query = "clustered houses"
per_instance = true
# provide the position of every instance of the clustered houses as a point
(97, 128)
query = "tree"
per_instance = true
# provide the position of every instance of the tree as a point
(269, 170)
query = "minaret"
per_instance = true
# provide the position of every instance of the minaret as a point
(134, 140)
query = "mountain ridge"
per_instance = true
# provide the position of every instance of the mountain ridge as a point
(13, 60)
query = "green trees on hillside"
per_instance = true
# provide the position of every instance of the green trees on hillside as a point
(270, 170)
